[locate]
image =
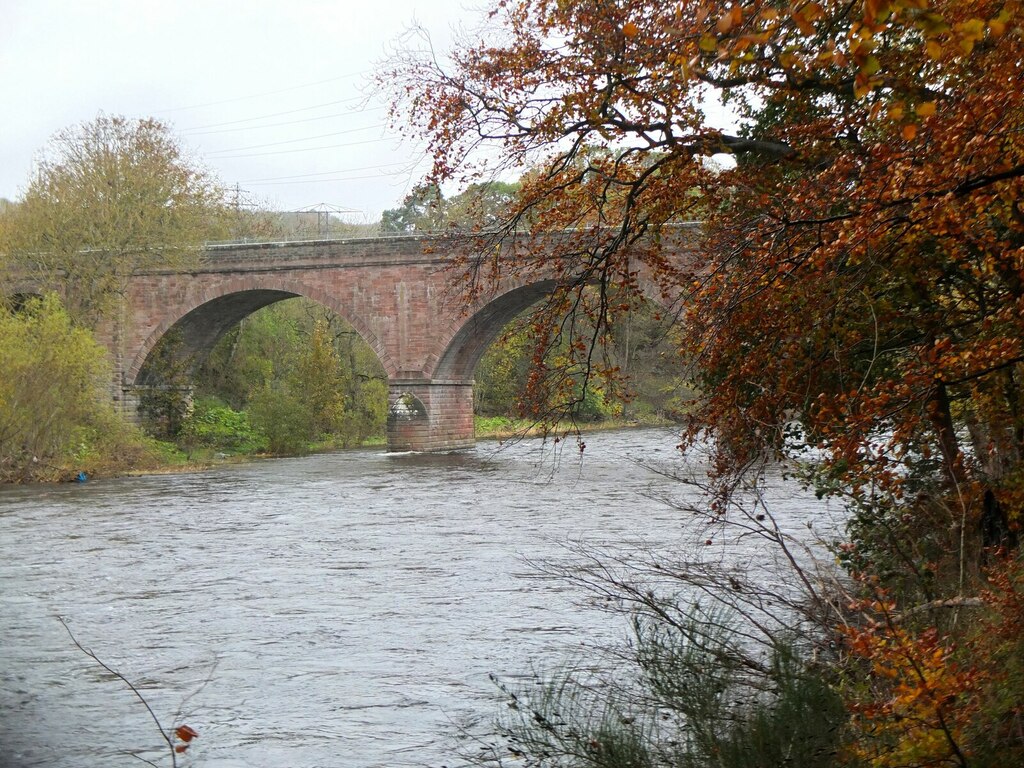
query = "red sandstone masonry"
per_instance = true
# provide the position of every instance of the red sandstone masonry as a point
(396, 292)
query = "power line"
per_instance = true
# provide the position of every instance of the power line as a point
(294, 141)
(307, 149)
(265, 93)
(196, 132)
(326, 173)
(320, 181)
(275, 114)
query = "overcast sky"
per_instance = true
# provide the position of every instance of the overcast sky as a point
(268, 94)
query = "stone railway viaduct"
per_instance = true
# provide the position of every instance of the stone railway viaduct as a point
(397, 292)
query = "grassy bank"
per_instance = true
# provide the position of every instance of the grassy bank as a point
(507, 428)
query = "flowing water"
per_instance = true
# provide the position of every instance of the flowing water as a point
(337, 610)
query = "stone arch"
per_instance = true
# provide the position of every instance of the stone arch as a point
(468, 342)
(208, 314)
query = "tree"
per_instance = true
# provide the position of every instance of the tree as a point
(166, 405)
(419, 212)
(109, 198)
(860, 287)
(481, 206)
(55, 419)
(303, 373)
(862, 260)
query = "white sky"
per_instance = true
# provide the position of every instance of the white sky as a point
(231, 78)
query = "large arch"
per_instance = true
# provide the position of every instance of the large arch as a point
(469, 342)
(467, 345)
(203, 319)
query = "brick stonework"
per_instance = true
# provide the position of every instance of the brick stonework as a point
(397, 292)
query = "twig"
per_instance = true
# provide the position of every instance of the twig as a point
(167, 739)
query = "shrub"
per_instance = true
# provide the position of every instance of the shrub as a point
(284, 418)
(55, 412)
(215, 425)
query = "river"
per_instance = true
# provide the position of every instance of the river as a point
(337, 610)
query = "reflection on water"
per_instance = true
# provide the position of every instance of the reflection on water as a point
(335, 610)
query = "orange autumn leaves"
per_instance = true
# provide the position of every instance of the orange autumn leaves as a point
(859, 285)
(874, 209)
(185, 735)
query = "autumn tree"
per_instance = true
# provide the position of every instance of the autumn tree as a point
(859, 281)
(860, 266)
(108, 198)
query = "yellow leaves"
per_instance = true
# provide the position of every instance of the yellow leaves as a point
(876, 10)
(969, 33)
(897, 111)
(915, 697)
(708, 43)
(997, 26)
(961, 38)
(931, 24)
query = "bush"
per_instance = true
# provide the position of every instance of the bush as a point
(55, 411)
(215, 425)
(692, 697)
(285, 420)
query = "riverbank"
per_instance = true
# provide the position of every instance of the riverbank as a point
(149, 456)
(503, 428)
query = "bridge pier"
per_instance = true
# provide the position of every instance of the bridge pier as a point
(426, 415)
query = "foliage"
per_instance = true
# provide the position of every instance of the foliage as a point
(211, 424)
(854, 293)
(55, 416)
(305, 405)
(318, 378)
(109, 198)
(419, 212)
(282, 415)
(925, 696)
(329, 382)
(862, 258)
(251, 354)
(481, 206)
(261, 224)
(502, 373)
(909, 706)
(727, 682)
(641, 348)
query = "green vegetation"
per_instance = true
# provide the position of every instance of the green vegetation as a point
(56, 419)
(425, 209)
(645, 382)
(691, 696)
(106, 199)
(291, 378)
